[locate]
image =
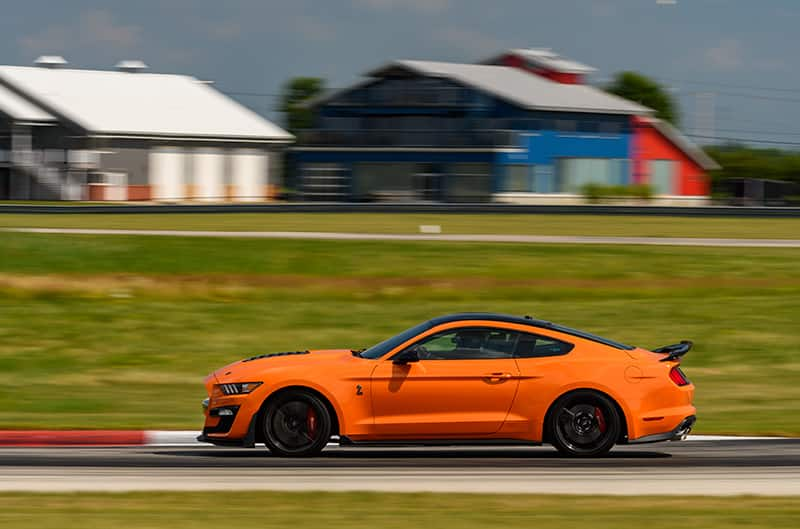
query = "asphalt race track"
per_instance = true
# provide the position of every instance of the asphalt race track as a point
(765, 467)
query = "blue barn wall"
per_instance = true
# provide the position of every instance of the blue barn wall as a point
(543, 136)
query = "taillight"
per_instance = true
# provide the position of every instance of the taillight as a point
(677, 376)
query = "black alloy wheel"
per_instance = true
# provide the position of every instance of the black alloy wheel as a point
(584, 424)
(296, 424)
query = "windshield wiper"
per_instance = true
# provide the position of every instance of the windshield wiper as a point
(357, 352)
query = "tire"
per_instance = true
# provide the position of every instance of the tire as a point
(296, 423)
(584, 424)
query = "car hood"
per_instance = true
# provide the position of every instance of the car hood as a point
(239, 371)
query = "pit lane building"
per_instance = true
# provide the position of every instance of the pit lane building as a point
(522, 126)
(127, 134)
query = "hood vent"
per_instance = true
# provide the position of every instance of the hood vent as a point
(270, 355)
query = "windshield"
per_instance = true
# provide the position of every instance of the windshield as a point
(377, 351)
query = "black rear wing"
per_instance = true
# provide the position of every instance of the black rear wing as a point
(674, 351)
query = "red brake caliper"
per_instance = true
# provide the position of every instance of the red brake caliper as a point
(311, 423)
(601, 421)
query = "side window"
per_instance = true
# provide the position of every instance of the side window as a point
(468, 344)
(533, 346)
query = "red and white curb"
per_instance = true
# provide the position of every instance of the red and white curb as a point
(39, 438)
(98, 438)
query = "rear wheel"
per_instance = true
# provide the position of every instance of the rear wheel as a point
(296, 424)
(584, 424)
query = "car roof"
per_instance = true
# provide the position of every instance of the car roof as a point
(530, 322)
(489, 316)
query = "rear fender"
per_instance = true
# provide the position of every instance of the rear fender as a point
(625, 412)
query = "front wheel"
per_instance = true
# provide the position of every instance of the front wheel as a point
(296, 424)
(584, 424)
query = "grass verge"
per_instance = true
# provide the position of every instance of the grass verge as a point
(119, 331)
(176, 510)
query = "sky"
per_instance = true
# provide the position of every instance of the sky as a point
(741, 52)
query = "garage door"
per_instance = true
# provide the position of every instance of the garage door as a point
(249, 168)
(167, 167)
(209, 174)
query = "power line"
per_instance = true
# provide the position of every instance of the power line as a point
(771, 133)
(762, 122)
(755, 96)
(734, 86)
(744, 140)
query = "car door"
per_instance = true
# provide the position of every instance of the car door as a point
(543, 371)
(463, 384)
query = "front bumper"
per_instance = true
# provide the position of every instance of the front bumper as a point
(679, 433)
(248, 441)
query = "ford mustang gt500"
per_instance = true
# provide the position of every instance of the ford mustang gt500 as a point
(458, 379)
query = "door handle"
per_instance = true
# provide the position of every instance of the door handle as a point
(498, 376)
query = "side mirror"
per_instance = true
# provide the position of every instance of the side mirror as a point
(406, 357)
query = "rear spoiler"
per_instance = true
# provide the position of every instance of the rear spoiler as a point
(674, 351)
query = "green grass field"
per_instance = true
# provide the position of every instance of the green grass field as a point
(386, 511)
(118, 331)
(632, 226)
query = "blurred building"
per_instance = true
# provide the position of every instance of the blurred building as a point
(129, 135)
(520, 127)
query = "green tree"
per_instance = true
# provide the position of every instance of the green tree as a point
(742, 161)
(645, 91)
(295, 95)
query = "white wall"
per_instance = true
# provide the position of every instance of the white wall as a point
(249, 174)
(167, 167)
(209, 175)
(117, 188)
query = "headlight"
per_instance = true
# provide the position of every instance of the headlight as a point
(238, 388)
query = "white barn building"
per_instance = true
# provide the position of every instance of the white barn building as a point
(70, 134)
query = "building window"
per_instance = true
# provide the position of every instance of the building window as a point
(575, 173)
(378, 179)
(544, 180)
(518, 179)
(565, 125)
(610, 127)
(468, 182)
(662, 177)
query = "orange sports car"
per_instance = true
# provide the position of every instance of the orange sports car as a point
(458, 379)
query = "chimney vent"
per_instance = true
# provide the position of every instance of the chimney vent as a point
(131, 66)
(51, 61)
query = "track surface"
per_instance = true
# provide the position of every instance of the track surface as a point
(689, 468)
(523, 239)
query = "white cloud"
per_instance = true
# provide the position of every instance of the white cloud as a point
(727, 54)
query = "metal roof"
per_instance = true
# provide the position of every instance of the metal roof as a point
(111, 103)
(522, 88)
(20, 109)
(550, 60)
(684, 144)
